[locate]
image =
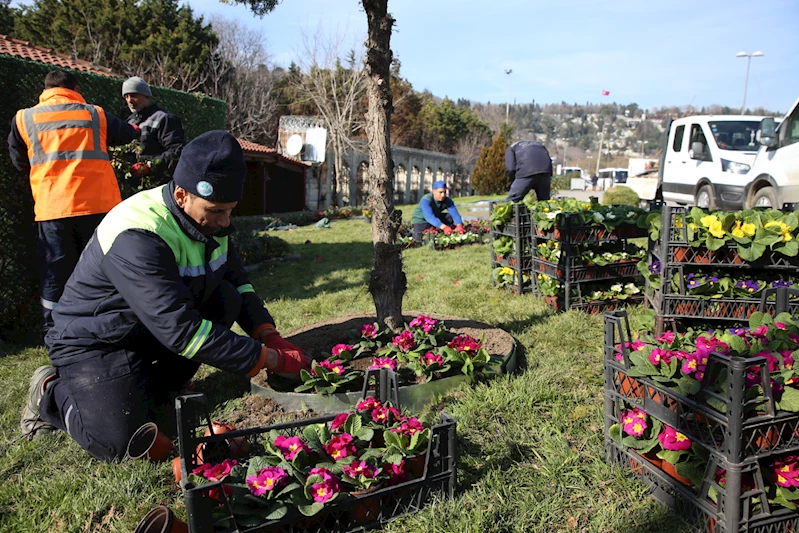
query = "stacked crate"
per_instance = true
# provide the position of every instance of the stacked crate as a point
(570, 271)
(740, 439)
(519, 228)
(677, 256)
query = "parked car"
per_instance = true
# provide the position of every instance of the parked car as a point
(775, 172)
(707, 159)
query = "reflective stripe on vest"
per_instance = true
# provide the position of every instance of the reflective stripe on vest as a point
(40, 119)
(245, 288)
(197, 341)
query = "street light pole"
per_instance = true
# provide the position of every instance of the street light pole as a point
(746, 81)
(599, 154)
(507, 100)
(643, 143)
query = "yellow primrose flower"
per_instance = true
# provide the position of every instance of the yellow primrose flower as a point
(784, 229)
(744, 229)
(678, 222)
(692, 227)
(506, 270)
(713, 224)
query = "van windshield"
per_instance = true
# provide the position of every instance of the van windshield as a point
(736, 134)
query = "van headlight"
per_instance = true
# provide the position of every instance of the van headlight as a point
(734, 167)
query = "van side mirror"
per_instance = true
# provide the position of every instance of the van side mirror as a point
(768, 132)
(697, 151)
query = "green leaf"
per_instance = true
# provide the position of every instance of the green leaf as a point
(789, 400)
(751, 253)
(310, 510)
(790, 248)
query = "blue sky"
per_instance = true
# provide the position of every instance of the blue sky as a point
(652, 53)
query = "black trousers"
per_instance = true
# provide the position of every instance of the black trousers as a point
(61, 241)
(540, 183)
(104, 399)
(418, 229)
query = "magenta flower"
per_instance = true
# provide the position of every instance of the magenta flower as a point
(409, 427)
(368, 404)
(760, 333)
(794, 338)
(396, 473)
(787, 359)
(216, 472)
(383, 362)
(338, 348)
(464, 343)
(705, 345)
(424, 322)
(661, 356)
(334, 366)
(667, 337)
(780, 325)
(322, 492)
(324, 472)
(360, 468)
(368, 331)
(634, 346)
(671, 439)
(431, 358)
(634, 422)
(337, 422)
(290, 446)
(267, 480)
(404, 341)
(786, 471)
(340, 446)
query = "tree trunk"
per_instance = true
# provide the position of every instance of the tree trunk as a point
(387, 282)
(338, 170)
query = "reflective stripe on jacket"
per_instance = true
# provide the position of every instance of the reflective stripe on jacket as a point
(70, 174)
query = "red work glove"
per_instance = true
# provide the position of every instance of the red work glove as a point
(459, 228)
(291, 358)
(446, 229)
(140, 169)
(138, 130)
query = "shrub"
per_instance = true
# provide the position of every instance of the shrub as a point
(620, 195)
(254, 247)
(489, 176)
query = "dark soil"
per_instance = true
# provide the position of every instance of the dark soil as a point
(259, 411)
(317, 339)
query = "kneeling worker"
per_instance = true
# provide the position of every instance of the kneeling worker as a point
(153, 296)
(436, 210)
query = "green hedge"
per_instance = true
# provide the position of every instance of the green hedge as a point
(24, 80)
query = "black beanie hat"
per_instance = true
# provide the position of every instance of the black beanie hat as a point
(212, 167)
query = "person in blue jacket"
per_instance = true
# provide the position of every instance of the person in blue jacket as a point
(529, 165)
(152, 297)
(436, 210)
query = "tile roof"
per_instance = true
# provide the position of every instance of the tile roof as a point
(259, 149)
(27, 50)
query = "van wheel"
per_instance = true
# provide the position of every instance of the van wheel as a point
(765, 197)
(704, 198)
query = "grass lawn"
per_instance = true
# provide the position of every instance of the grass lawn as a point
(530, 446)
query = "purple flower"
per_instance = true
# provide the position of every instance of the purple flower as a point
(748, 285)
(654, 267)
(712, 279)
(781, 283)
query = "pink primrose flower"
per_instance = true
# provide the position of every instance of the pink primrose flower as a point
(267, 480)
(368, 331)
(380, 415)
(636, 428)
(667, 337)
(324, 472)
(290, 446)
(368, 404)
(396, 473)
(424, 322)
(760, 333)
(635, 346)
(786, 471)
(787, 359)
(333, 366)
(340, 446)
(322, 492)
(794, 338)
(214, 493)
(409, 427)
(465, 343)
(431, 358)
(659, 355)
(671, 439)
(404, 341)
(216, 472)
(360, 468)
(780, 325)
(383, 362)
(337, 422)
(338, 348)
(690, 364)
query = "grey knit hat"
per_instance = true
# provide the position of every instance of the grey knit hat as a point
(136, 85)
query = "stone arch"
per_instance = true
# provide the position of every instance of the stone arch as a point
(440, 175)
(428, 180)
(344, 186)
(416, 184)
(400, 175)
(362, 183)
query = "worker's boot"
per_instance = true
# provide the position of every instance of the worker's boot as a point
(31, 423)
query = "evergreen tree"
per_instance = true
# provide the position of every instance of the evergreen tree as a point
(489, 176)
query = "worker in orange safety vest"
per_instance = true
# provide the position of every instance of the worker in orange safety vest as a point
(63, 143)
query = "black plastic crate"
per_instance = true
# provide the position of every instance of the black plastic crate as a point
(520, 223)
(673, 248)
(569, 230)
(735, 511)
(591, 307)
(738, 434)
(207, 515)
(568, 271)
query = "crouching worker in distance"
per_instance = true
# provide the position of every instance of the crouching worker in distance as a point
(436, 210)
(153, 296)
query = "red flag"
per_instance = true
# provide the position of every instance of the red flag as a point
(605, 92)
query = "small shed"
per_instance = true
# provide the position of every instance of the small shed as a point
(275, 183)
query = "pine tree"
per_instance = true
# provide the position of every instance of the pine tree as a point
(489, 175)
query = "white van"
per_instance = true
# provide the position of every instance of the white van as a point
(775, 172)
(707, 159)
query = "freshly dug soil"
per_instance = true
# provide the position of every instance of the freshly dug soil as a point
(317, 339)
(259, 411)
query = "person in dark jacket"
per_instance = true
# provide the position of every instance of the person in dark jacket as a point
(162, 136)
(153, 296)
(530, 167)
(62, 143)
(436, 210)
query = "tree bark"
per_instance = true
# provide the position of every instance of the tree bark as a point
(387, 282)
